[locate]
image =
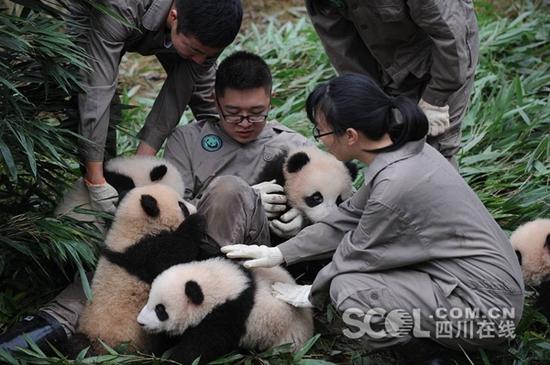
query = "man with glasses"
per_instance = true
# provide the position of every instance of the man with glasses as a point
(220, 160)
(186, 36)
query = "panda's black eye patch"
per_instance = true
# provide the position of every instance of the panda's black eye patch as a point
(158, 172)
(314, 199)
(183, 207)
(339, 200)
(160, 311)
(194, 292)
(518, 254)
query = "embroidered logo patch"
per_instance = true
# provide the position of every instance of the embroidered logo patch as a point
(211, 143)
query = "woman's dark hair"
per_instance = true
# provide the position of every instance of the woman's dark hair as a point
(355, 101)
(215, 23)
(242, 71)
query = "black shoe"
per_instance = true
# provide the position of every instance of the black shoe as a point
(41, 328)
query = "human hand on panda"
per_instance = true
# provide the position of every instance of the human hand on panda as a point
(262, 256)
(293, 294)
(103, 197)
(272, 196)
(287, 225)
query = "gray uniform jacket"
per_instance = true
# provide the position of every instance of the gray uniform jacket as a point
(202, 151)
(404, 44)
(144, 31)
(413, 212)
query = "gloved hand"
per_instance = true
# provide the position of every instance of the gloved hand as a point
(288, 225)
(272, 197)
(438, 117)
(263, 256)
(296, 295)
(103, 197)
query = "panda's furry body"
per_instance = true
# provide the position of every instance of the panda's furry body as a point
(215, 306)
(120, 285)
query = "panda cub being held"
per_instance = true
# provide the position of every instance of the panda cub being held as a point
(153, 229)
(216, 306)
(531, 241)
(314, 181)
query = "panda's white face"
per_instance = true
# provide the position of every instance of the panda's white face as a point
(182, 296)
(531, 242)
(316, 182)
(135, 171)
(144, 211)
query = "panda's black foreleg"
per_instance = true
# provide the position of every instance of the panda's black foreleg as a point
(207, 341)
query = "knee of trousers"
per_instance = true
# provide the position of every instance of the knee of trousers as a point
(230, 190)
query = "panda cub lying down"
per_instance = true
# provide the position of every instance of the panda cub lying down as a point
(215, 306)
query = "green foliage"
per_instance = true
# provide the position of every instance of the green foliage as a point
(39, 65)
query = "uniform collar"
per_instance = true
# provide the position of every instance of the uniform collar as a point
(155, 16)
(383, 160)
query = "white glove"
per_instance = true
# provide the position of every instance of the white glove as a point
(103, 197)
(288, 225)
(438, 117)
(272, 197)
(296, 295)
(263, 256)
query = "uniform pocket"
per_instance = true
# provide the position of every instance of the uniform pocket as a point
(389, 11)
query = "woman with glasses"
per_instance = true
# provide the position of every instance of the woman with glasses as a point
(416, 257)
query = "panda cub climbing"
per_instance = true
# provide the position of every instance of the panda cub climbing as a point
(216, 306)
(314, 181)
(124, 174)
(531, 241)
(153, 230)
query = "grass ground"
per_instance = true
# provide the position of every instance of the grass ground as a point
(505, 155)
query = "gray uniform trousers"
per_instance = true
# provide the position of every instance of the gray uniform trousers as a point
(234, 214)
(423, 49)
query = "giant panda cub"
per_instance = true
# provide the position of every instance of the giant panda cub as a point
(314, 182)
(215, 306)
(153, 229)
(531, 241)
(123, 173)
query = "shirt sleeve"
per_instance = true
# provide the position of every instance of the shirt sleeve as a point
(186, 82)
(447, 24)
(383, 240)
(177, 152)
(103, 42)
(321, 239)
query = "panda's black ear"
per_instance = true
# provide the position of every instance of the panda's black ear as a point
(121, 183)
(296, 162)
(518, 255)
(158, 172)
(547, 243)
(194, 292)
(150, 205)
(352, 169)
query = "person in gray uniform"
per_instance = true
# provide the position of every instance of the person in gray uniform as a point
(218, 160)
(427, 50)
(221, 160)
(415, 254)
(186, 36)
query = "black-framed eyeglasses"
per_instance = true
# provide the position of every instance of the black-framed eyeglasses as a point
(236, 118)
(317, 133)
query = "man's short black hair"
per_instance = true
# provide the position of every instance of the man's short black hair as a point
(241, 71)
(215, 23)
